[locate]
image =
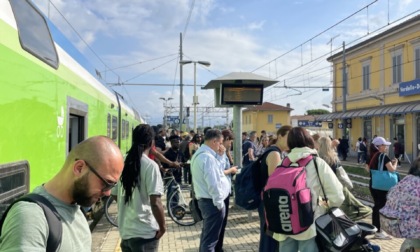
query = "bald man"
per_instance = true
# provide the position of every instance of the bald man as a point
(91, 169)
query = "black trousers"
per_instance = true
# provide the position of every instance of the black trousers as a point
(379, 199)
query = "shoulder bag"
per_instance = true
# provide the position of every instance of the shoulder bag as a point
(335, 231)
(343, 177)
(383, 180)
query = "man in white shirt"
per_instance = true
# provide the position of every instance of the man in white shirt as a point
(211, 187)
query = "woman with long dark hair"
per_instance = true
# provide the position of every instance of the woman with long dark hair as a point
(194, 144)
(141, 219)
(268, 165)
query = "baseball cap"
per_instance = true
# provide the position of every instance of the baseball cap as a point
(380, 141)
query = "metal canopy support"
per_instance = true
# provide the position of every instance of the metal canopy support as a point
(237, 126)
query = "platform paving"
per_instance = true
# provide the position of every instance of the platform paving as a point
(242, 231)
(242, 234)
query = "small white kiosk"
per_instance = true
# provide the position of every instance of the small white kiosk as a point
(236, 90)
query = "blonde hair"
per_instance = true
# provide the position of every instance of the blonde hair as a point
(326, 151)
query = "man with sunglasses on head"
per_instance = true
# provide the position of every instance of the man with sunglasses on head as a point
(91, 169)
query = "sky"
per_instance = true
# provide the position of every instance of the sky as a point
(135, 44)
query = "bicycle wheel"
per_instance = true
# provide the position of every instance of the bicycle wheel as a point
(111, 211)
(179, 208)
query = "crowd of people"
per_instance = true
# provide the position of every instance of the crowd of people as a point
(96, 168)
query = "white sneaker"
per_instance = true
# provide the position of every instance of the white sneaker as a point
(382, 236)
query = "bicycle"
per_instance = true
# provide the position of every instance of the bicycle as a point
(177, 203)
(111, 211)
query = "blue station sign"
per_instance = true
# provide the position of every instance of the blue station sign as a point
(410, 88)
(306, 123)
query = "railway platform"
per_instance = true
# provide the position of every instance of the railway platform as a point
(242, 231)
(242, 234)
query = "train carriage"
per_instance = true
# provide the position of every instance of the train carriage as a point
(50, 100)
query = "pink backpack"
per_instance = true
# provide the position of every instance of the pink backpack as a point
(287, 199)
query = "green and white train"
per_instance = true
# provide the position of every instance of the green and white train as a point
(49, 101)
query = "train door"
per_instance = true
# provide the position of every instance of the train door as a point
(76, 130)
(77, 112)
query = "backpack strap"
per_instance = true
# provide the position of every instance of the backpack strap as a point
(381, 160)
(51, 215)
(302, 162)
(305, 161)
(285, 163)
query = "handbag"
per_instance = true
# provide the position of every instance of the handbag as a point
(343, 177)
(383, 180)
(195, 210)
(335, 231)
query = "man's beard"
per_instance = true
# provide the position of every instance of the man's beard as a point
(81, 190)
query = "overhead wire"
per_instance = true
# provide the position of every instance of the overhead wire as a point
(141, 62)
(317, 35)
(150, 70)
(81, 38)
(188, 19)
(348, 44)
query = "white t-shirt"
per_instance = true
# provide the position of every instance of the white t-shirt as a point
(135, 219)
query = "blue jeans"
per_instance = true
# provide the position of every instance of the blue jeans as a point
(360, 157)
(212, 224)
(139, 245)
(294, 245)
(267, 243)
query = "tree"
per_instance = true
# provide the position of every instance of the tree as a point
(317, 112)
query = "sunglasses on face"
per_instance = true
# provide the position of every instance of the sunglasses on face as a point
(108, 185)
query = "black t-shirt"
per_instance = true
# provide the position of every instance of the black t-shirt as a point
(375, 161)
(398, 148)
(245, 146)
(261, 179)
(173, 155)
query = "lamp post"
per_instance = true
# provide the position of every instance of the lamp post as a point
(165, 101)
(195, 98)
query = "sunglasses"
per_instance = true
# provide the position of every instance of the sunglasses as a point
(108, 186)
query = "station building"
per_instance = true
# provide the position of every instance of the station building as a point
(267, 116)
(381, 88)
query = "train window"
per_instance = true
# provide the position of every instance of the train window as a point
(127, 129)
(123, 129)
(14, 182)
(34, 34)
(108, 126)
(114, 128)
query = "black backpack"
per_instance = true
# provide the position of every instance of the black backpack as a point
(247, 188)
(51, 214)
(362, 147)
